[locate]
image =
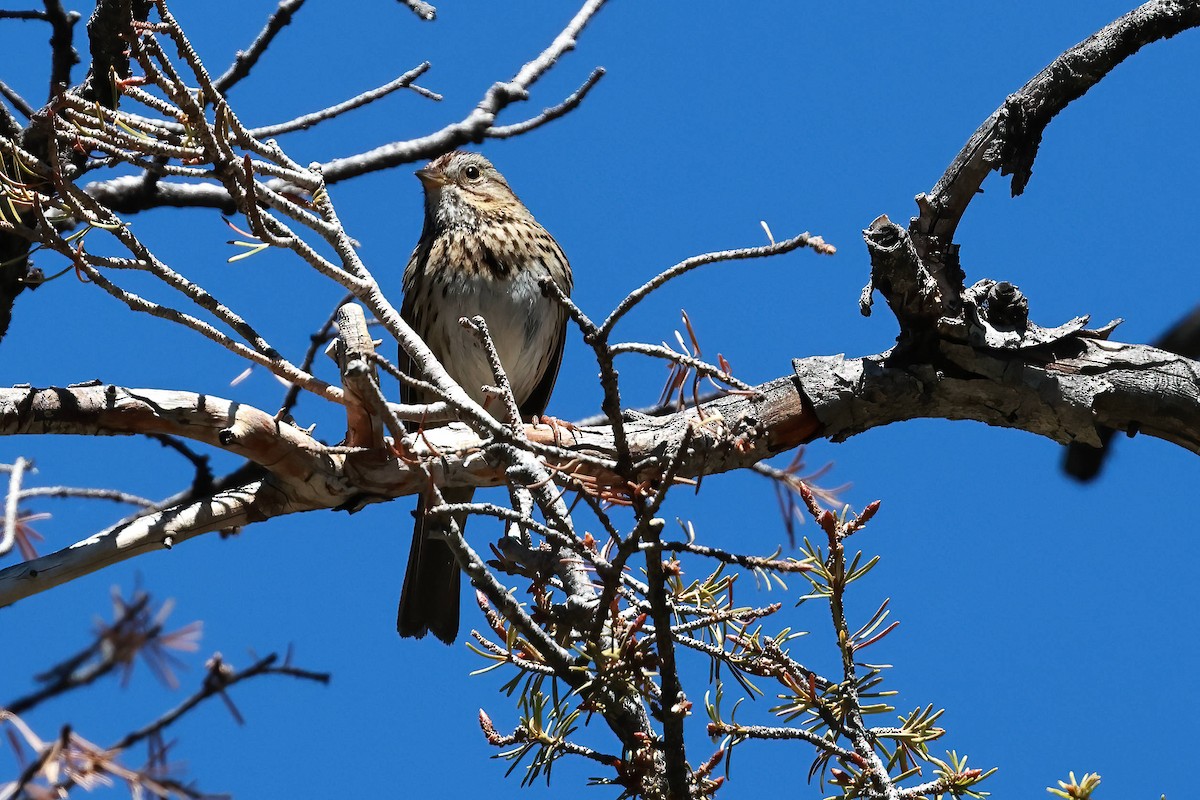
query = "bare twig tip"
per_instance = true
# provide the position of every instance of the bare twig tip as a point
(767, 229)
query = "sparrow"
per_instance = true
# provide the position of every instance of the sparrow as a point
(482, 253)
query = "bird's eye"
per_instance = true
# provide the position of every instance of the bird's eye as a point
(471, 172)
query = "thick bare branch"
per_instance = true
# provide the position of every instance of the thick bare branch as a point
(95, 409)
(1008, 140)
(1084, 462)
(162, 530)
(1062, 396)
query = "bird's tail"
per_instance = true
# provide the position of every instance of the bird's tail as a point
(429, 599)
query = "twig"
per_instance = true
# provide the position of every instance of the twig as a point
(71, 673)
(220, 677)
(702, 367)
(527, 473)
(422, 9)
(308, 120)
(270, 359)
(656, 410)
(87, 494)
(935, 788)
(777, 734)
(483, 579)
(568, 104)
(675, 703)
(512, 658)
(478, 122)
(62, 50)
(18, 102)
(8, 536)
(637, 295)
(316, 340)
(872, 765)
(204, 476)
(750, 562)
(245, 60)
(478, 326)
(437, 411)
(35, 766)
(742, 615)
(522, 736)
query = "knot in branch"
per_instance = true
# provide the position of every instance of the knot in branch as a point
(898, 273)
(1005, 307)
(996, 315)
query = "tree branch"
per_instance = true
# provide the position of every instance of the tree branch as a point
(1061, 390)
(130, 194)
(1008, 140)
(1084, 462)
(245, 60)
(62, 49)
(159, 531)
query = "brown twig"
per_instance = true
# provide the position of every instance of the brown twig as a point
(75, 671)
(220, 678)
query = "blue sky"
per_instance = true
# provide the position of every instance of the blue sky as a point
(1048, 618)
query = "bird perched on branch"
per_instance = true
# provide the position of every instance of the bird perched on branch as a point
(481, 253)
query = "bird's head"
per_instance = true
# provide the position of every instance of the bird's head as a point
(462, 187)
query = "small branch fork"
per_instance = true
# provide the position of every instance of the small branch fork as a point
(918, 269)
(1009, 139)
(245, 60)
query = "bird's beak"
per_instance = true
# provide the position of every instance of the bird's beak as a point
(431, 178)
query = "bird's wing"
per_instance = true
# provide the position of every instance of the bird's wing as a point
(539, 398)
(414, 273)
